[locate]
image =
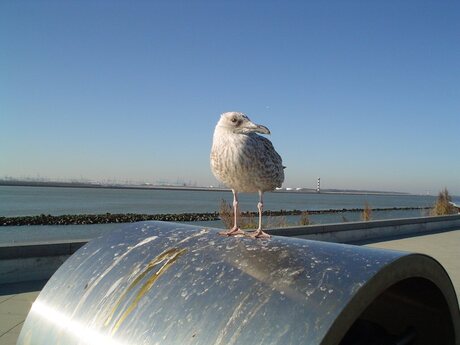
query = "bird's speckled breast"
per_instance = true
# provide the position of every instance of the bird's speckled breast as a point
(241, 163)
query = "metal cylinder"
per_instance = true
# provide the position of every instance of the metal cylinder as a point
(167, 283)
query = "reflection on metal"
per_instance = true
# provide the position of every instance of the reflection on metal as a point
(165, 283)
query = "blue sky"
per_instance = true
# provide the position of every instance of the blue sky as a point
(363, 94)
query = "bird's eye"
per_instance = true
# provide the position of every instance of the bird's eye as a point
(234, 119)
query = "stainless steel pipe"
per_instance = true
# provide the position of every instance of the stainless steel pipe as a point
(167, 283)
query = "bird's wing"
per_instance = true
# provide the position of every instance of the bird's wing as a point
(270, 159)
(270, 151)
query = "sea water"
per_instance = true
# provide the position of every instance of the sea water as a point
(27, 201)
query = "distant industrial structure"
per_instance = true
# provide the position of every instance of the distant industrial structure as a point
(318, 186)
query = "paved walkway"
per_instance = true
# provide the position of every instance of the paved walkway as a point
(15, 302)
(16, 299)
(444, 247)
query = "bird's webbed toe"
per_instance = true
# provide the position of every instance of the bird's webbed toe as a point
(260, 234)
(235, 231)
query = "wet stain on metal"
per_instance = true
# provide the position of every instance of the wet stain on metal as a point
(166, 258)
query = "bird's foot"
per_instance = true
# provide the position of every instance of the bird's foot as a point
(235, 231)
(259, 233)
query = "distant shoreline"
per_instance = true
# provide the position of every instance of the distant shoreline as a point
(19, 183)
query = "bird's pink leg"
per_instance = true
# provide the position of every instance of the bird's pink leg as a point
(259, 233)
(235, 230)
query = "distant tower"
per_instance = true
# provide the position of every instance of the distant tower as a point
(318, 188)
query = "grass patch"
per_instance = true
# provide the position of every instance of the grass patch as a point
(248, 221)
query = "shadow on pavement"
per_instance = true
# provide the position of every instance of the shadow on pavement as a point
(15, 288)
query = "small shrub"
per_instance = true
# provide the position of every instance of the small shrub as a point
(443, 205)
(226, 213)
(304, 218)
(366, 215)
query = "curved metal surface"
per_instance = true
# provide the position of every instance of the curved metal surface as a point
(166, 283)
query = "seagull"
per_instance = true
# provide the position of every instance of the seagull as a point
(245, 162)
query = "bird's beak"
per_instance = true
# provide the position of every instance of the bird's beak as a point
(252, 127)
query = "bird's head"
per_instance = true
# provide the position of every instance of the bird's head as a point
(239, 123)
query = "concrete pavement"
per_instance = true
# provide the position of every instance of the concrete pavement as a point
(15, 302)
(444, 247)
